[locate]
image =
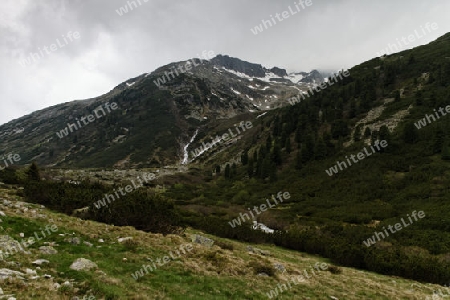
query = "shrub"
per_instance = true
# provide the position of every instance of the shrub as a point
(131, 245)
(334, 269)
(259, 267)
(225, 245)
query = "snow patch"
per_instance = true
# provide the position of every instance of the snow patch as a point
(236, 92)
(239, 74)
(261, 115)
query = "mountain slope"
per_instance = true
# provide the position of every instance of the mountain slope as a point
(156, 115)
(226, 271)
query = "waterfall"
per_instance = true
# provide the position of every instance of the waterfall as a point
(185, 149)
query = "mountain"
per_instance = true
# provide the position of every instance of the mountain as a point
(156, 117)
(382, 209)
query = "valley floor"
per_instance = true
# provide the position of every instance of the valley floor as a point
(203, 273)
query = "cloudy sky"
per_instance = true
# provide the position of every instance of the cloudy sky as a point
(55, 51)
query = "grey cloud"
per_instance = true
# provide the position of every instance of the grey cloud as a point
(112, 48)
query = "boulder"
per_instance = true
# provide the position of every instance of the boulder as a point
(48, 250)
(7, 273)
(40, 262)
(202, 240)
(82, 264)
(121, 240)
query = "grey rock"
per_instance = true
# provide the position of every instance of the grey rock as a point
(73, 240)
(40, 262)
(262, 252)
(88, 244)
(121, 240)
(31, 272)
(279, 267)
(82, 264)
(48, 250)
(202, 240)
(7, 273)
(9, 245)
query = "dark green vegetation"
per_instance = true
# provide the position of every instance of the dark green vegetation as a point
(332, 216)
(141, 209)
(290, 149)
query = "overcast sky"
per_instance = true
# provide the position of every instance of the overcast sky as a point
(105, 49)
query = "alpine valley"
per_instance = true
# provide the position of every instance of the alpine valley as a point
(195, 195)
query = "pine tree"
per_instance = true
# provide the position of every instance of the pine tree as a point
(227, 171)
(397, 95)
(298, 160)
(273, 173)
(446, 152)
(288, 145)
(357, 134)
(268, 144)
(250, 170)
(308, 149)
(385, 134)
(233, 170)
(438, 140)
(321, 149)
(244, 158)
(367, 132)
(419, 98)
(265, 168)
(410, 133)
(276, 155)
(33, 172)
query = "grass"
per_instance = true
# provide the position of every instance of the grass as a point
(226, 272)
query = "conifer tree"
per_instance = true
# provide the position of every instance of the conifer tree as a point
(33, 172)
